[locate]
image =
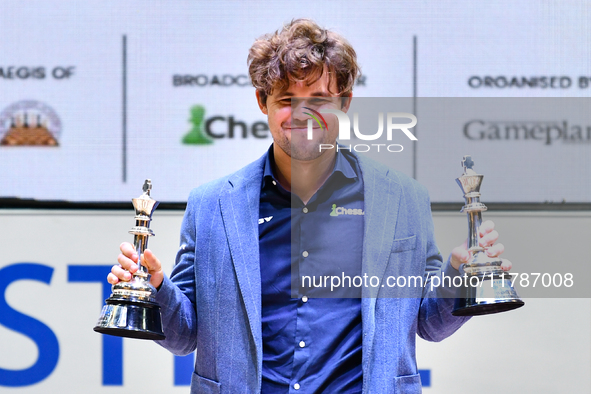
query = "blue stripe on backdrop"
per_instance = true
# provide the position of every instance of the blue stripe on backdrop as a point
(112, 346)
(183, 369)
(425, 377)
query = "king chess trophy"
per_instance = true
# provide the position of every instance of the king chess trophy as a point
(486, 288)
(132, 311)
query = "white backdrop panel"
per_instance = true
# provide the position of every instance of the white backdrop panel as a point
(543, 347)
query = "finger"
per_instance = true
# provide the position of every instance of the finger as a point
(489, 239)
(495, 250)
(129, 251)
(127, 263)
(112, 279)
(506, 265)
(486, 227)
(150, 261)
(461, 254)
(120, 273)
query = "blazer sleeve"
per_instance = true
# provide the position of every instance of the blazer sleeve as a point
(176, 295)
(435, 319)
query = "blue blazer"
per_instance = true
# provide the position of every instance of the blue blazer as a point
(212, 301)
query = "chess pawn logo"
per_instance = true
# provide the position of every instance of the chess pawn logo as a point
(196, 135)
(333, 212)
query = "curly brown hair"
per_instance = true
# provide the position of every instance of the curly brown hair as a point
(300, 52)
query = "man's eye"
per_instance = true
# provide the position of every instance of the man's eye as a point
(318, 101)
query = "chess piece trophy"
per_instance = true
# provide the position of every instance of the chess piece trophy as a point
(486, 287)
(131, 311)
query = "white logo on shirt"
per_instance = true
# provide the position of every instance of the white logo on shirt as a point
(267, 219)
(336, 211)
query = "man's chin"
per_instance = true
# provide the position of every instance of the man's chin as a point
(307, 151)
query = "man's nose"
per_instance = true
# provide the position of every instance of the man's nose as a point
(298, 110)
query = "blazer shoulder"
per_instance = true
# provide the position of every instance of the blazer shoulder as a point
(371, 168)
(213, 189)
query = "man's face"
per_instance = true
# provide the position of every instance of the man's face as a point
(289, 123)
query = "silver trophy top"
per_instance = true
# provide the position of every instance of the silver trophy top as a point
(147, 186)
(470, 181)
(468, 163)
(145, 205)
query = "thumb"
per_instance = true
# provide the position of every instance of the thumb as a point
(150, 261)
(154, 267)
(459, 256)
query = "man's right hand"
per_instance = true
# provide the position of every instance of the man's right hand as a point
(128, 265)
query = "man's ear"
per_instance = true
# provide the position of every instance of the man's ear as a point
(262, 106)
(346, 102)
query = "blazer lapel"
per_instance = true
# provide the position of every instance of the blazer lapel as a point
(381, 201)
(240, 211)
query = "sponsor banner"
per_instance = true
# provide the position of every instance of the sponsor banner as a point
(531, 150)
(113, 97)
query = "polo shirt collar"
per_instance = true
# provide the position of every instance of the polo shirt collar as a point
(342, 166)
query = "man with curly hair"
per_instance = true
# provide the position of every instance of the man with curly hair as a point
(245, 236)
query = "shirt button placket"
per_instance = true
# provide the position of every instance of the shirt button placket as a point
(299, 357)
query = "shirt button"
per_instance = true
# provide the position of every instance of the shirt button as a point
(305, 210)
(296, 386)
(304, 299)
(305, 253)
(302, 343)
(274, 183)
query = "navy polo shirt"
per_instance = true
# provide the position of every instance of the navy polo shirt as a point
(310, 344)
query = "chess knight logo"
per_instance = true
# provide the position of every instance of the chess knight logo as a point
(29, 123)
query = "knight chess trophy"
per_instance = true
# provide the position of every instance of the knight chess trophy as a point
(486, 287)
(131, 310)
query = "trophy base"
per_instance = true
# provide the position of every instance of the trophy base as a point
(130, 318)
(489, 296)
